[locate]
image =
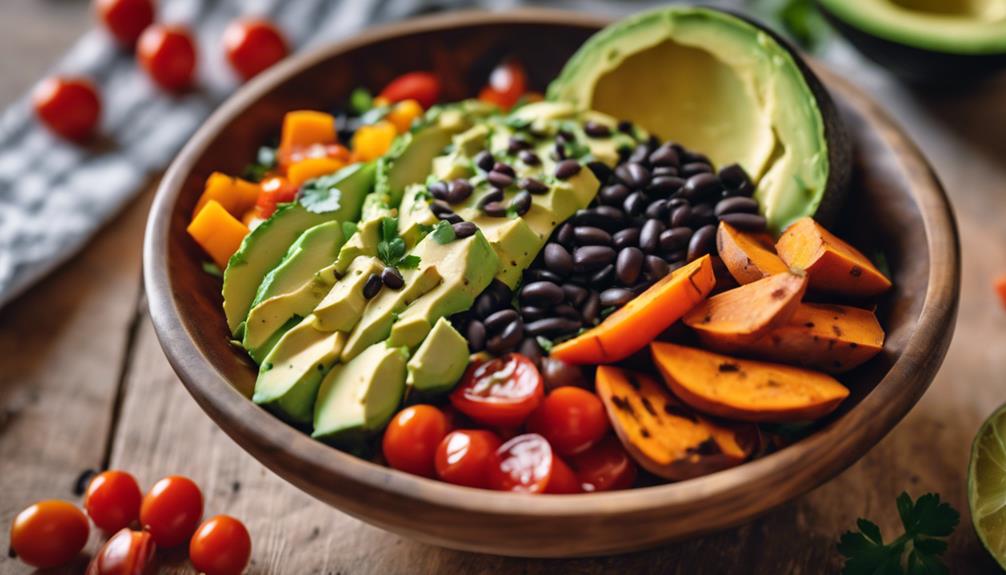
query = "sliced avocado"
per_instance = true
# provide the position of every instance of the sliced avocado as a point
(289, 376)
(342, 307)
(466, 267)
(439, 362)
(345, 189)
(362, 243)
(313, 250)
(261, 251)
(268, 320)
(514, 242)
(727, 87)
(359, 397)
(414, 215)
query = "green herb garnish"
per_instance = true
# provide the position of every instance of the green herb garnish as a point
(391, 247)
(443, 233)
(360, 100)
(321, 195)
(545, 343)
(348, 229)
(265, 160)
(213, 269)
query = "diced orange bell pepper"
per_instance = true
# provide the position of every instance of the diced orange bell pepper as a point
(403, 114)
(217, 232)
(1001, 289)
(371, 142)
(237, 196)
(311, 168)
(303, 128)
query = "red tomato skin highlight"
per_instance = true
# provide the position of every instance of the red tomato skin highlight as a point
(49, 533)
(500, 401)
(464, 457)
(125, 20)
(171, 510)
(423, 87)
(411, 439)
(125, 553)
(221, 546)
(523, 465)
(113, 500)
(605, 467)
(253, 45)
(69, 107)
(571, 419)
(563, 480)
(168, 54)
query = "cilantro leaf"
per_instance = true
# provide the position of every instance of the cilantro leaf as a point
(391, 247)
(443, 233)
(409, 262)
(321, 195)
(545, 343)
(360, 100)
(348, 229)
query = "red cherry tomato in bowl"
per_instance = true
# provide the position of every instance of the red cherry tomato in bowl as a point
(221, 546)
(423, 87)
(465, 456)
(571, 419)
(253, 45)
(507, 83)
(127, 552)
(411, 439)
(125, 19)
(605, 467)
(49, 533)
(113, 500)
(500, 392)
(69, 107)
(272, 192)
(168, 54)
(171, 510)
(563, 479)
(524, 465)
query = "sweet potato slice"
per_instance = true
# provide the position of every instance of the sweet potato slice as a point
(748, 257)
(746, 390)
(748, 312)
(833, 265)
(832, 338)
(636, 324)
(665, 436)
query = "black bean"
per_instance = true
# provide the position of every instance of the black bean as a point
(656, 267)
(591, 309)
(463, 230)
(516, 144)
(564, 235)
(601, 170)
(579, 279)
(529, 158)
(558, 151)
(639, 154)
(530, 349)
(616, 297)
(438, 190)
(633, 174)
(494, 209)
(625, 238)
(504, 168)
(450, 218)
(556, 373)
(440, 207)
(542, 293)
(604, 217)
(626, 127)
(486, 304)
(694, 168)
(649, 235)
(476, 335)
(700, 186)
(604, 277)
(746, 189)
(665, 184)
(745, 222)
(574, 294)
(680, 216)
(665, 155)
(592, 258)
(676, 257)
(567, 169)
(501, 292)
(675, 238)
(484, 160)
(489, 197)
(703, 242)
(532, 185)
(564, 136)
(690, 157)
(664, 171)
(558, 259)
(533, 313)
(657, 210)
(534, 275)
(613, 195)
(733, 176)
(372, 286)
(521, 203)
(635, 204)
(596, 129)
(736, 204)
(512, 333)
(591, 236)
(458, 191)
(499, 179)
(552, 326)
(392, 278)
(566, 311)
(702, 215)
(628, 264)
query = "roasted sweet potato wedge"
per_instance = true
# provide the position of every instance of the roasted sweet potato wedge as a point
(665, 436)
(636, 324)
(748, 257)
(832, 338)
(833, 265)
(748, 312)
(746, 390)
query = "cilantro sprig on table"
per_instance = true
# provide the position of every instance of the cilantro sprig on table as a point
(391, 247)
(915, 552)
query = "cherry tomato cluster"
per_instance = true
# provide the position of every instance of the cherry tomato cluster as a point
(52, 533)
(501, 431)
(71, 107)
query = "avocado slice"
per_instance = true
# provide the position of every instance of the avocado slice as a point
(440, 361)
(720, 84)
(342, 307)
(927, 41)
(359, 397)
(313, 250)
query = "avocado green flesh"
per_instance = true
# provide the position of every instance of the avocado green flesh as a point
(342, 307)
(718, 85)
(439, 362)
(289, 377)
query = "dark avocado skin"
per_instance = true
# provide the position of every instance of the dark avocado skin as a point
(916, 65)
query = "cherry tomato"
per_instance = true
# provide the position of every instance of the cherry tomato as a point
(336, 151)
(501, 391)
(127, 552)
(605, 467)
(273, 191)
(422, 87)
(70, 107)
(171, 510)
(570, 418)
(49, 533)
(465, 456)
(411, 440)
(563, 479)
(253, 45)
(221, 546)
(125, 19)
(113, 500)
(168, 54)
(524, 464)
(507, 84)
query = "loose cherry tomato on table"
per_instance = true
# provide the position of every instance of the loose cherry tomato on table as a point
(168, 54)
(127, 552)
(171, 510)
(507, 83)
(113, 500)
(70, 107)
(221, 546)
(501, 391)
(125, 19)
(253, 45)
(563, 479)
(273, 191)
(411, 439)
(49, 533)
(570, 418)
(605, 467)
(524, 464)
(465, 457)
(422, 87)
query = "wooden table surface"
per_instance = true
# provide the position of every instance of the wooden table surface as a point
(83, 382)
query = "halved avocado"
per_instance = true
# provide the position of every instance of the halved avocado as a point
(928, 41)
(726, 87)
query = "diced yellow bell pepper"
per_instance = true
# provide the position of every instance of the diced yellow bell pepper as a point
(237, 196)
(217, 232)
(302, 128)
(371, 142)
(311, 168)
(403, 113)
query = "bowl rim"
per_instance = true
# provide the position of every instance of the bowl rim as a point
(800, 466)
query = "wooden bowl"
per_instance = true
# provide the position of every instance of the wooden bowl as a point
(897, 205)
